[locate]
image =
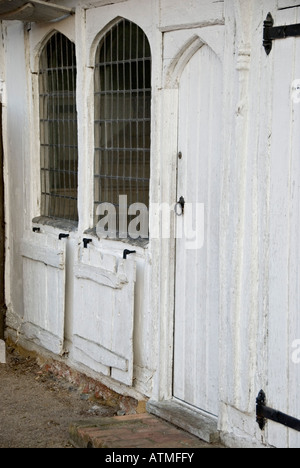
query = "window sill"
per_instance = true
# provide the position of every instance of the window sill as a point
(143, 243)
(71, 226)
(62, 224)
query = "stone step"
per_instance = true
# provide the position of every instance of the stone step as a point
(131, 431)
(202, 425)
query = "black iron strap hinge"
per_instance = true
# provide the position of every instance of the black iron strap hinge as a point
(263, 413)
(271, 32)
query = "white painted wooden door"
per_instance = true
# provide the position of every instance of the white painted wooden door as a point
(197, 249)
(44, 291)
(104, 313)
(283, 326)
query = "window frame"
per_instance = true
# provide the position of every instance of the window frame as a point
(144, 119)
(54, 217)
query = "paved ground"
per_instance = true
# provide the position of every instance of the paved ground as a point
(37, 410)
(132, 431)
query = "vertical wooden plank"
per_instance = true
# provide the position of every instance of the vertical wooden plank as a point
(124, 319)
(213, 229)
(278, 339)
(44, 291)
(200, 183)
(2, 236)
(294, 256)
(181, 276)
(195, 323)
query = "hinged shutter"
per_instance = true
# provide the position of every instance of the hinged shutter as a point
(44, 291)
(104, 312)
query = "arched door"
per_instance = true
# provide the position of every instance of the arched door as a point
(197, 245)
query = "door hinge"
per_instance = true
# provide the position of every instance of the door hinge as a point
(272, 33)
(263, 413)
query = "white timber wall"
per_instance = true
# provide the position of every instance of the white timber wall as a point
(259, 223)
(259, 216)
(85, 29)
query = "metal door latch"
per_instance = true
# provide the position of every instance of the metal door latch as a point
(128, 252)
(63, 236)
(179, 207)
(86, 242)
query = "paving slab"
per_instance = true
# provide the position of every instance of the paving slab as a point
(132, 431)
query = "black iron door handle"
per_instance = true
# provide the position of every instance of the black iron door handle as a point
(179, 207)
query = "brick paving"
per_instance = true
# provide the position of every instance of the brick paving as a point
(132, 431)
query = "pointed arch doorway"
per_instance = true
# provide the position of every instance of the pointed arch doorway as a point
(196, 347)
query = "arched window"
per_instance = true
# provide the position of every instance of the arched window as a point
(122, 116)
(58, 128)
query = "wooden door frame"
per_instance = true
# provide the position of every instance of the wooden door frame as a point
(165, 249)
(2, 236)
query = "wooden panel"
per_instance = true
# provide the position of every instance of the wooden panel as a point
(44, 291)
(43, 253)
(100, 276)
(197, 269)
(104, 313)
(100, 354)
(33, 10)
(2, 237)
(287, 4)
(294, 264)
(284, 291)
(174, 13)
